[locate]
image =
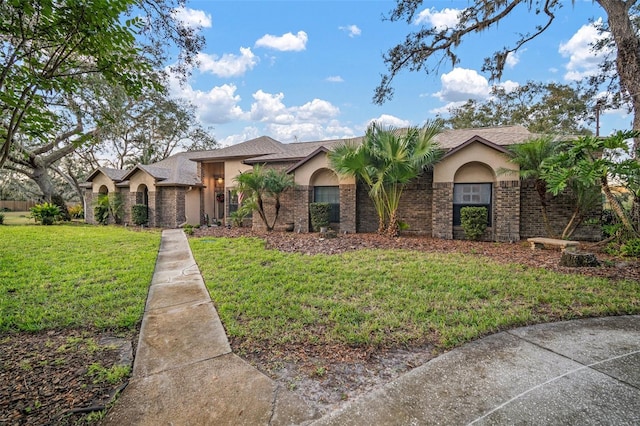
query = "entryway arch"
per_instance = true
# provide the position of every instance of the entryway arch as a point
(473, 187)
(325, 188)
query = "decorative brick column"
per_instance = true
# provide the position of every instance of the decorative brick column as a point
(348, 208)
(506, 224)
(302, 199)
(153, 208)
(442, 210)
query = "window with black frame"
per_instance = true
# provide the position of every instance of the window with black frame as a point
(471, 195)
(331, 195)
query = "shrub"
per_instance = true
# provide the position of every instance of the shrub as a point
(244, 211)
(101, 210)
(474, 221)
(45, 213)
(1, 218)
(188, 229)
(320, 214)
(76, 212)
(139, 214)
(116, 207)
(631, 248)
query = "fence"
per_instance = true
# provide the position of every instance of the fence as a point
(16, 206)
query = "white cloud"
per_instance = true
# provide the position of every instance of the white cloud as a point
(192, 18)
(314, 120)
(216, 106)
(352, 30)
(316, 110)
(246, 134)
(287, 42)
(335, 79)
(583, 60)
(445, 110)
(268, 107)
(513, 58)
(508, 86)
(229, 65)
(462, 84)
(442, 20)
(390, 120)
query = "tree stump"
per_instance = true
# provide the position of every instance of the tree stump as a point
(578, 259)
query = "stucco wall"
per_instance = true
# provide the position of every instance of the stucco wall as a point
(477, 153)
(309, 170)
(192, 206)
(102, 180)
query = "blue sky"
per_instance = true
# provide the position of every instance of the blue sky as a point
(307, 70)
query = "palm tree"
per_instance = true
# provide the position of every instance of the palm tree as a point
(386, 161)
(260, 183)
(351, 159)
(531, 156)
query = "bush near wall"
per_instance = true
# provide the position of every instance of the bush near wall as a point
(139, 214)
(474, 221)
(320, 215)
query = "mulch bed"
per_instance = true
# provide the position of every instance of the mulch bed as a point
(44, 376)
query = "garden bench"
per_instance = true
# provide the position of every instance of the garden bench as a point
(565, 245)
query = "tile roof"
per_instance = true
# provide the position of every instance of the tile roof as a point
(115, 175)
(177, 170)
(264, 145)
(504, 136)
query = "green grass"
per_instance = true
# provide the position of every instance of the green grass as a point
(74, 276)
(17, 218)
(389, 298)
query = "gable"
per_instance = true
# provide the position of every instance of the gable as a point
(475, 151)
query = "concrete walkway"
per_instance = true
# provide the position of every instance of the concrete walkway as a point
(184, 371)
(584, 372)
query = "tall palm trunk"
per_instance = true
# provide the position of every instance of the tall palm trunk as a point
(617, 207)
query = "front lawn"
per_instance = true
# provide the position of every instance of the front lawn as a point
(74, 276)
(389, 298)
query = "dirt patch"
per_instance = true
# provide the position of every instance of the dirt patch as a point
(57, 377)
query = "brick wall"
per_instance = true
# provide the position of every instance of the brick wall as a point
(506, 223)
(416, 205)
(348, 208)
(169, 205)
(366, 216)
(442, 216)
(302, 199)
(559, 208)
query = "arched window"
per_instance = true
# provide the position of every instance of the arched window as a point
(473, 187)
(326, 190)
(142, 195)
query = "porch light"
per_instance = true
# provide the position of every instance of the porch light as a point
(220, 180)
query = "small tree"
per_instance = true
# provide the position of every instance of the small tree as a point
(260, 184)
(530, 157)
(595, 161)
